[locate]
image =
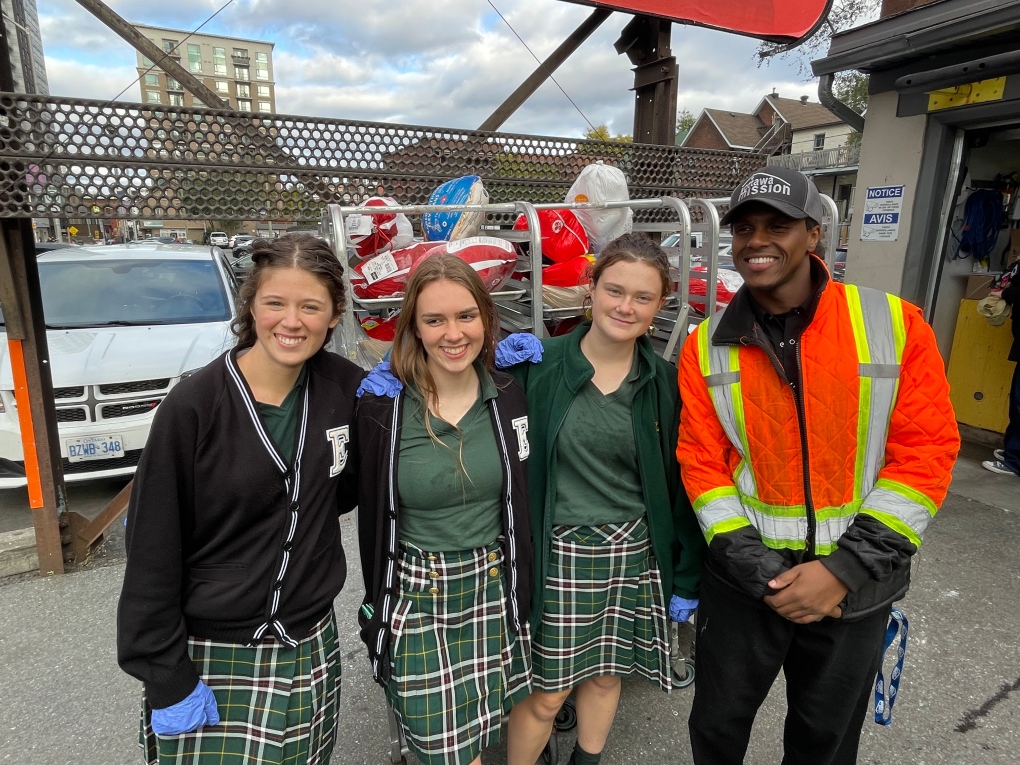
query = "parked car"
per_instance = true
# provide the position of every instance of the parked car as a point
(219, 239)
(125, 324)
(244, 248)
(242, 266)
(239, 240)
(839, 267)
(167, 239)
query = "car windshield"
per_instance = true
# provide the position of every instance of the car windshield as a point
(131, 292)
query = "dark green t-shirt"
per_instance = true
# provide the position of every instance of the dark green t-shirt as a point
(598, 479)
(450, 493)
(281, 421)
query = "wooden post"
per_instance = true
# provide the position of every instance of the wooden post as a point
(33, 389)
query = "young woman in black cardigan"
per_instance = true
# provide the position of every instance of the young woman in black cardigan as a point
(233, 539)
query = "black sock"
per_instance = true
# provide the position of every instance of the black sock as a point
(581, 757)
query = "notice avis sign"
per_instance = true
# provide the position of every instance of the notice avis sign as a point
(882, 209)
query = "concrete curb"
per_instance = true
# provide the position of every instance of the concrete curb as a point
(17, 552)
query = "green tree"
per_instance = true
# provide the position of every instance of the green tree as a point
(843, 14)
(852, 89)
(684, 122)
(601, 133)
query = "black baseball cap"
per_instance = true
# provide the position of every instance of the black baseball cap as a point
(786, 190)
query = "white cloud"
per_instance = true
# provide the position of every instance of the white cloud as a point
(423, 62)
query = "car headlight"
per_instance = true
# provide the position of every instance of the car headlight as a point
(189, 373)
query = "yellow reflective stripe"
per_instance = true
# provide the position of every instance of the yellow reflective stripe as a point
(864, 392)
(909, 493)
(713, 494)
(777, 511)
(719, 510)
(894, 523)
(723, 526)
(901, 508)
(736, 393)
(857, 321)
(898, 325)
(704, 360)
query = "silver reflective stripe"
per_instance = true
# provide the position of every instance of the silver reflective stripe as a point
(722, 378)
(881, 341)
(831, 529)
(724, 387)
(913, 514)
(718, 511)
(745, 480)
(781, 528)
(878, 370)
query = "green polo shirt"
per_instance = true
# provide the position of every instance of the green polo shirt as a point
(450, 493)
(598, 479)
(281, 421)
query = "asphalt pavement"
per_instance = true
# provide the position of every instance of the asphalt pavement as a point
(66, 701)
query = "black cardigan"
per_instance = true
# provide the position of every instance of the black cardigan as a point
(225, 540)
(377, 436)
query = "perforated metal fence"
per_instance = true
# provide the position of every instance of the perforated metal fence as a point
(63, 157)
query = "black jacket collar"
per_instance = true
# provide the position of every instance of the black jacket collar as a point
(737, 324)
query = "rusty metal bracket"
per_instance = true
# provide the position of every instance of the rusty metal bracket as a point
(81, 537)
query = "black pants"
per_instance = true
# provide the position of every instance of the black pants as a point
(830, 669)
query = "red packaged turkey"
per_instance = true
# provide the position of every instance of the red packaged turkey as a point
(493, 259)
(726, 285)
(563, 236)
(373, 234)
(570, 273)
(381, 329)
(385, 275)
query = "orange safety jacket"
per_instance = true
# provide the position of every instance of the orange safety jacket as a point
(849, 469)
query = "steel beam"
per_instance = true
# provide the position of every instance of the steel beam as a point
(545, 69)
(646, 41)
(151, 51)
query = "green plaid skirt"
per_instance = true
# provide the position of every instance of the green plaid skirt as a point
(604, 612)
(457, 668)
(277, 704)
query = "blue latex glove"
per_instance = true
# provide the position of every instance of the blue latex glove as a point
(516, 348)
(381, 382)
(196, 711)
(680, 609)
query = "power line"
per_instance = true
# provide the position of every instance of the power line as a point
(540, 64)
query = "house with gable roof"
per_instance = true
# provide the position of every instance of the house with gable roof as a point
(789, 132)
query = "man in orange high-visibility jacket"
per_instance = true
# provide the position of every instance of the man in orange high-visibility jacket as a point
(816, 443)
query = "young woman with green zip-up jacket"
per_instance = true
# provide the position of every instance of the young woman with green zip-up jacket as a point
(617, 545)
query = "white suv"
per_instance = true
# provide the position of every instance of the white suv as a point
(125, 323)
(218, 239)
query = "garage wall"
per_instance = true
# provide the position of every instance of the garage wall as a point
(891, 151)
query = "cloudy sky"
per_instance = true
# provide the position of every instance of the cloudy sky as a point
(435, 62)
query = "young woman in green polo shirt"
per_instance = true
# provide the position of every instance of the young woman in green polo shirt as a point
(443, 521)
(617, 543)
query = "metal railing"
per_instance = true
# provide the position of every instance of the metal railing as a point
(841, 156)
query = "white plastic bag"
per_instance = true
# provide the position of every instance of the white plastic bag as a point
(596, 184)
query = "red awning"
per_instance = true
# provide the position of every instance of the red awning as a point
(781, 20)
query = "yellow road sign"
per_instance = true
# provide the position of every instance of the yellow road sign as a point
(72, 230)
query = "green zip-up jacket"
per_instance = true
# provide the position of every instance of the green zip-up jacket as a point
(551, 386)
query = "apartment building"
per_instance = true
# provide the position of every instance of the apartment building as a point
(240, 71)
(24, 41)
